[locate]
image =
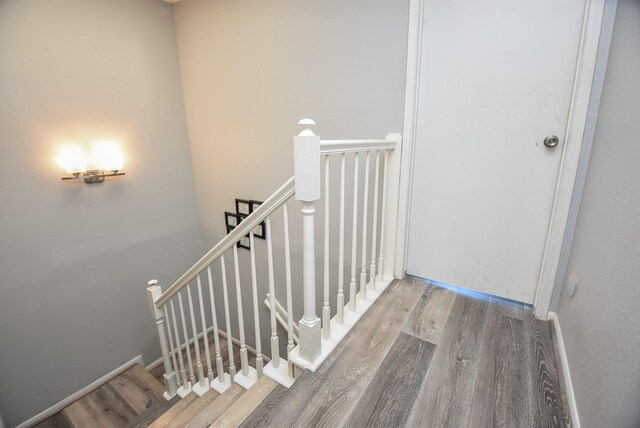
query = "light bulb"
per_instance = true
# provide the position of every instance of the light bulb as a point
(72, 159)
(107, 156)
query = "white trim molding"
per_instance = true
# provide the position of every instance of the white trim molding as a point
(412, 85)
(566, 374)
(574, 135)
(81, 393)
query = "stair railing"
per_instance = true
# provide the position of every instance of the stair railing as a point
(317, 337)
(312, 161)
(193, 377)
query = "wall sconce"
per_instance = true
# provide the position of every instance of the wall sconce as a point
(105, 160)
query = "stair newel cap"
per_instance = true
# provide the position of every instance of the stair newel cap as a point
(152, 283)
(306, 125)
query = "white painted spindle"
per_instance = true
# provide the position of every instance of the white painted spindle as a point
(207, 352)
(340, 297)
(256, 318)
(275, 350)
(307, 176)
(185, 386)
(383, 215)
(203, 385)
(374, 225)
(192, 377)
(227, 318)
(365, 208)
(244, 362)
(287, 270)
(172, 349)
(326, 309)
(354, 237)
(159, 314)
(221, 382)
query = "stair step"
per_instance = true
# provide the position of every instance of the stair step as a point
(247, 403)
(207, 416)
(133, 398)
(191, 411)
(173, 411)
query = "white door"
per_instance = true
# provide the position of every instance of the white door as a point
(496, 79)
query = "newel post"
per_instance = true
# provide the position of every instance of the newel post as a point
(159, 314)
(306, 148)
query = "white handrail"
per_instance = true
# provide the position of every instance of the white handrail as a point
(282, 317)
(329, 147)
(254, 219)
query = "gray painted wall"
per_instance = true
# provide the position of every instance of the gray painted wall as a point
(600, 323)
(250, 71)
(75, 258)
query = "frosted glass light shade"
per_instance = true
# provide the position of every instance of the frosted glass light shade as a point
(107, 156)
(72, 159)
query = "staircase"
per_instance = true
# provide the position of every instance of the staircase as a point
(135, 399)
(217, 300)
(218, 364)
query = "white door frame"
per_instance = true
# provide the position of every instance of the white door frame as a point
(576, 124)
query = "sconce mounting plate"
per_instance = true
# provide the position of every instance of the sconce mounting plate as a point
(93, 176)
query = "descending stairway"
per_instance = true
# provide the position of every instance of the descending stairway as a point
(135, 399)
(228, 409)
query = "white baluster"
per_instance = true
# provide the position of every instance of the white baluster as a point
(340, 297)
(172, 349)
(207, 352)
(326, 309)
(256, 318)
(192, 377)
(248, 375)
(203, 383)
(227, 317)
(365, 208)
(275, 350)
(383, 215)
(287, 269)
(244, 362)
(185, 386)
(374, 231)
(222, 381)
(307, 176)
(159, 314)
(354, 237)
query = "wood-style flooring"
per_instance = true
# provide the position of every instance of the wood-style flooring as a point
(134, 399)
(425, 356)
(422, 356)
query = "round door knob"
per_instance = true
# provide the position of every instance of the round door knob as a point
(551, 141)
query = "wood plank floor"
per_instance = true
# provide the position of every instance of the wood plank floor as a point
(424, 356)
(125, 401)
(134, 398)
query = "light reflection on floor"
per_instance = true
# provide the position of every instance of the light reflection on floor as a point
(468, 292)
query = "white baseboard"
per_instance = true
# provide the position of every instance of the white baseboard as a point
(81, 393)
(157, 363)
(566, 375)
